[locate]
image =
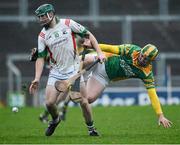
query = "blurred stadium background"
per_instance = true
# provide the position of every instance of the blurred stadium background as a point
(112, 21)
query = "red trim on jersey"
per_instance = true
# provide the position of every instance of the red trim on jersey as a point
(41, 34)
(67, 22)
(74, 41)
(52, 59)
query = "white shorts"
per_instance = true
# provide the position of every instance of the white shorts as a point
(99, 73)
(54, 76)
(88, 73)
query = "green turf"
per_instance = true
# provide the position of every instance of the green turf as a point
(117, 125)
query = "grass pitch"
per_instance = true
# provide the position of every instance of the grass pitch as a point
(117, 125)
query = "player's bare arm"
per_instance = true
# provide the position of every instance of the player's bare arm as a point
(39, 68)
(95, 45)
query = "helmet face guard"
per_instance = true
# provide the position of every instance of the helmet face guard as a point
(45, 20)
(43, 14)
(143, 60)
(148, 54)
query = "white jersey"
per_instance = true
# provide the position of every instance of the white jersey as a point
(61, 45)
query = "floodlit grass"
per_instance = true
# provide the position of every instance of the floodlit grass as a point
(117, 125)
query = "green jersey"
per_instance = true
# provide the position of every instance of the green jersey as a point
(125, 66)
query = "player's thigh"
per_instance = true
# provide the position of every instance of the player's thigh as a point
(83, 90)
(94, 88)
(84, 98)
(51, 95)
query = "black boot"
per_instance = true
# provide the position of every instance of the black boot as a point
(52, 126)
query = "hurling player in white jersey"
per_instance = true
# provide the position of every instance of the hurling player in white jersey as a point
(57, 39)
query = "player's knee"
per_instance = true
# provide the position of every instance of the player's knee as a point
(49, 102)
(90, 100)
(84, 102)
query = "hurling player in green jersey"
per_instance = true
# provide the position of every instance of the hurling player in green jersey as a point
(128, 61)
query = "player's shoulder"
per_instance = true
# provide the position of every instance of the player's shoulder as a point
(65, 21)
(42, 33)
(135, 47)
(132, 48)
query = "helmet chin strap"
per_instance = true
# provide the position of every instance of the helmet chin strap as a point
(49, 17)
(46, 25)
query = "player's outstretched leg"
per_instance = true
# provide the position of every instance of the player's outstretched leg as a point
(86, 110)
